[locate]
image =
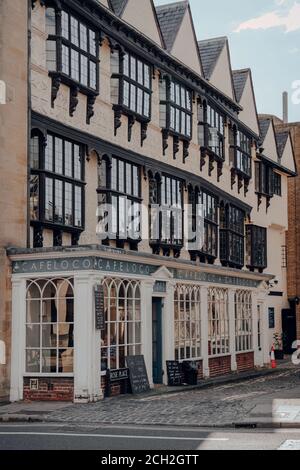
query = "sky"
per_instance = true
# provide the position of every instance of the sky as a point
(263, 35)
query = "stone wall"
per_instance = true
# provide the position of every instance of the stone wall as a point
(13, 156)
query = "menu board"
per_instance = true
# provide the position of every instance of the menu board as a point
(175, 373)
(138, 374)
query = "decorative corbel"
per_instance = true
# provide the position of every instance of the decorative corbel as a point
(144, 128)
(75, 238)
(211, 165)
(91, 99)
(219, 170)
(165, 136)
(74, 90)
(186, 146)
(175, 146)
(202, 159)
(117, 118)
(38, 239)
(131, 121)
(101, 38)
(233, 175)
(240, 183)
(42, 3)
(246, 187)
(55, 85)
(259, 201)
(57, 238)
(268, 203)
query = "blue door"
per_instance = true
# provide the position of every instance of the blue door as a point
(157, 341)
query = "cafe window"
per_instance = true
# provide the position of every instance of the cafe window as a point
(72, 48)
(49, 326)
(176, 108)
(122, 335)
(243, 321)
(218, 322)
(187, 312)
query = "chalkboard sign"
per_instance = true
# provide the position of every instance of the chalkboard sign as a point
(119, 376)
(271, 318)
(175, 373)
(99, 308)
(138, 374)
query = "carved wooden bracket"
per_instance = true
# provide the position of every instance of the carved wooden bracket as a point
(268, 203)
(259, 201)
(246, 187)
(131, 121)
(219, 170)
(233, 175)
(175, 146)
(73, 100)
(211, 165)
(240, 183)
(202, 159)
(117, 118)
(144, 128)
(57, 238)
(38, 239)
(55, 85)
(75, 238)
(165, 135)
(91, 99)
(186, 146)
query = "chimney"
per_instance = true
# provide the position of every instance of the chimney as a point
(285, 108)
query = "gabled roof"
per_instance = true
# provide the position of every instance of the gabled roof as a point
(281, 139)
(264, 125)
(239, 81)
(118, 6)
(170, 17)
(210, 50)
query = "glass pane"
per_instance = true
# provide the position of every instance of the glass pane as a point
(33, 311)
(65, 60)
(93, 75)
(68, 159)
(49, 311)
(65, 24)
(34, 197)
(49, 153)
(66, 310)
(50, 21)
(33, 360)
(74, 65)
(77, 162)
(49, 199)
(83, 37)
(68, 204)
(58, 209)
(49, 336)
(74, 31)
(51, 55)
(92, 36)
(48, 361)
(84, 70)
(78, 206)
(65, 335)
(33, 336)
(65, 361)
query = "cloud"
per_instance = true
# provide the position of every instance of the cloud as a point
(290, 20)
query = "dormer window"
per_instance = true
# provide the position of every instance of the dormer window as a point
(72, 57)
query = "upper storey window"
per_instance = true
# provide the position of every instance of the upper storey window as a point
(72, 48)
(240, 153)
(176, 108)
(211, 130)
(131, 90)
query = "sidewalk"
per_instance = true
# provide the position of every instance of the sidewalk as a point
(263, 398)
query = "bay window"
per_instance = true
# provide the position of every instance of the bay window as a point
(56, 183)
(232, 235)
(211, 130)
(72, 49)
(166, 214)
(264, 179)
(119, 187)
(205, 205)
(176, 108)
(256, 247)
(243, 153)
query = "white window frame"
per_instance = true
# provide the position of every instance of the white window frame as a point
(243, 321)
(218, 322)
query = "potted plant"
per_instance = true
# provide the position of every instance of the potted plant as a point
(278, 346)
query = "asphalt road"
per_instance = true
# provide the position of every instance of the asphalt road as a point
(55, 437)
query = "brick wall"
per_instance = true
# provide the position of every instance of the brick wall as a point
(219, 366)
(245, 361)
(50, 389)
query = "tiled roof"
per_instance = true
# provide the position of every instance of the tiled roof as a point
(210, 50)
(239, 81)
(281, 139)
(118, 6)
(170, 17)
(264, 125)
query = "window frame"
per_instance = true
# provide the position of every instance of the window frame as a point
(204, 122)
(243, 321)
(232, 236)
(61, 41)
(45, 174)
(167, 102)
(256, 236)
(264, 179)
(122, 77)
(218, 322)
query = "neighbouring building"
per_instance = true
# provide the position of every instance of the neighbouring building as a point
(122, 117)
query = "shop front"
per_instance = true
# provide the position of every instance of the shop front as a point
(78, 314)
